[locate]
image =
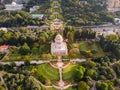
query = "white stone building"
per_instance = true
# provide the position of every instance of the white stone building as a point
(59, 47)
(4, 29)
(33, 9)
(106, 31)
(13, 6)
(40, 16)
(83, 2)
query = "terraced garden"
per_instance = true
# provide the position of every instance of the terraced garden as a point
(89, 47)
(68, 72)
(47, 73)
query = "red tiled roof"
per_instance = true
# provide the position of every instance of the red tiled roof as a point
(4, 47)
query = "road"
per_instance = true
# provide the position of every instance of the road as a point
(78, 60)
(19, 63)
(102, 27)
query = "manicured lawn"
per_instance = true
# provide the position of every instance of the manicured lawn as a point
(71, 88)
(14, 54)
(18, 57)
(52, 89)
(48, 72)
(86, 46)
(68, 72)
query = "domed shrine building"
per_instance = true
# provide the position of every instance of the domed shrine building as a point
(59, 48)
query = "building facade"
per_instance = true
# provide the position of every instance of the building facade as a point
(13, 6)
(59, 48)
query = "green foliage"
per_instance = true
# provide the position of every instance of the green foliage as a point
(2, 88)
(37, 2)
(82, 86)
(89, 14)
(46, 56)
(112, 37)
(117, 82)
(83, 34)
(24, 50)
(111, 44)
(102, 86)
(17, 18)
(79, 72)
(21, 82)
(90, 72)
(45, 73)
(116, 68)
(74, 53)
(43, 4)
(34, 50)
(89, 64)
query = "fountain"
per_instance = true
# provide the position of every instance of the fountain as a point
(60, 64)
(61, 83)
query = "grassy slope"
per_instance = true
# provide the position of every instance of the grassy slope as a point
(68, 72)
(84, 46)
(48, 72)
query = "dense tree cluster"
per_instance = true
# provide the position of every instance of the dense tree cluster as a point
(21, 36)
(43, 4)
(21, 82)
(85, 14)
(72, 34)
(37, 2)
(99, 72)
(18, 18)
(84, 34)
(116, 68)
(111, 43)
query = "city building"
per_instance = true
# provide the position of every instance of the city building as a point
(4, 29)
(106, 33)
(34, 8)
(13, 6)
(82, 2)
(59, 48)
(40, 16)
